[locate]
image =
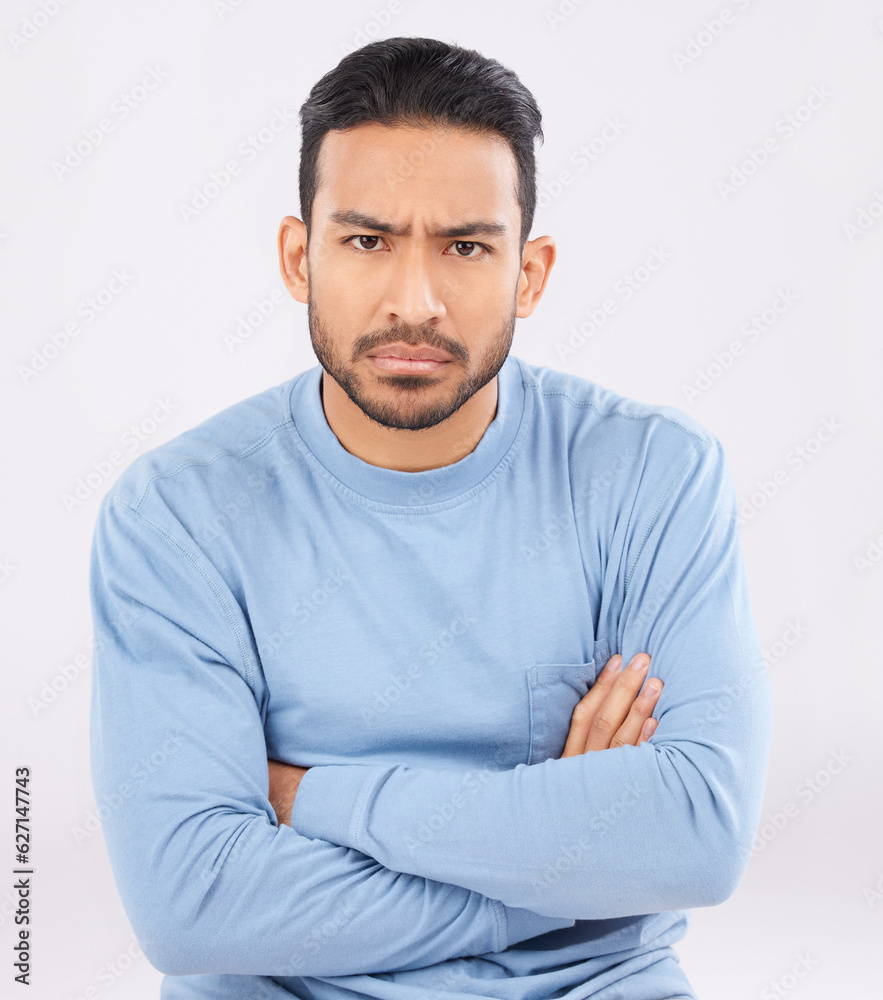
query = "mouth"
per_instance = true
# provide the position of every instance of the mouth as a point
(406, 359)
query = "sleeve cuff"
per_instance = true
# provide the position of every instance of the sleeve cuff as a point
(330, 801)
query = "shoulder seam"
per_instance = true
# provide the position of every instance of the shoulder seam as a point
(219, 597)
(613, 412)
(194, 462)
(663, 499)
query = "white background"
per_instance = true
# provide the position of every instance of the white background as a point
(810, 889)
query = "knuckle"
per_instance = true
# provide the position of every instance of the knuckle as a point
(628, 680)
(602, 723)
(582, 712)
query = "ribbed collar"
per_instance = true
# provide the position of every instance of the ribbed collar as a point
(409, 489)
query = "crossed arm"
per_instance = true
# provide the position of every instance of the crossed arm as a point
(210, 882)
(213, 883)
(690, 796)
(616, 710)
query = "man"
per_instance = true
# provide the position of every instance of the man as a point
(349, 713)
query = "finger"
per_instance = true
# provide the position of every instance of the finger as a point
(641, 710)
(612, 712)
(648, 729)
(585, 709)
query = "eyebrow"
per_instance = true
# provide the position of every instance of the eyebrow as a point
(478, 227)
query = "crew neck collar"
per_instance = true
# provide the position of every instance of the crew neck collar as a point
(408, 489)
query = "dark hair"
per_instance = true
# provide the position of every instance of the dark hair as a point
(422, 82)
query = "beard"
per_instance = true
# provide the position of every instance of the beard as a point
(409, 402)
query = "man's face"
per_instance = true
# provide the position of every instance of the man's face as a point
(418, 285)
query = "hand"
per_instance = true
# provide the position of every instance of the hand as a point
(284, 779)
(610, 715)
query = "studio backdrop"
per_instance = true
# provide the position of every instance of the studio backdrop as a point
(712, 174)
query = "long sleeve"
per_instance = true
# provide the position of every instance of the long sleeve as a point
(661, 826)
(208, 879)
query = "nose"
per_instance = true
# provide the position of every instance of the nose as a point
(416, 289)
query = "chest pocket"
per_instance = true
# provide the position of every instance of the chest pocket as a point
(553, 692)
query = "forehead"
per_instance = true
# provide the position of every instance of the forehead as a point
(401, 172)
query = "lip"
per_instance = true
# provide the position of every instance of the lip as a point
(405, 366)
(404, 352)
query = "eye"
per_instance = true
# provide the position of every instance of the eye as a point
(348, 241)
(472, 245)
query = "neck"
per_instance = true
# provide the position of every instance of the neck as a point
(406, 450)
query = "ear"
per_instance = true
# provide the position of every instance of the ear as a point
(536, 264)
(293, 257)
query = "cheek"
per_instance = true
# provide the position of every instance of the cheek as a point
(352, 299)
(490, 319)
(343, 304)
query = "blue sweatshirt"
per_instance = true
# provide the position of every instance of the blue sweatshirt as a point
(419, 640)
